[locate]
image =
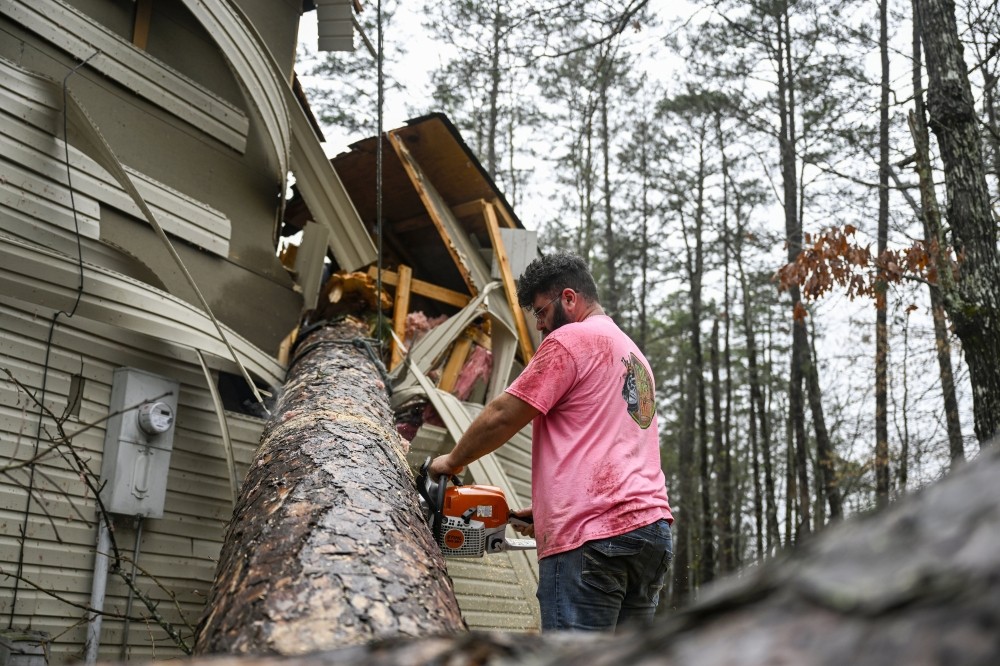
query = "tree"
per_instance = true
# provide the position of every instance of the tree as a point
(327, 546)
(930, 218)
(485, 85)
(881, 327)
(973, 299)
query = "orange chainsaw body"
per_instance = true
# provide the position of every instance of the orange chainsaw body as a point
(487, 504)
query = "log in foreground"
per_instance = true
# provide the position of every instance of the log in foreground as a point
(916, 584)
(327, 546)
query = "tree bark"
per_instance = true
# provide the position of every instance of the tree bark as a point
(327, 546)
(974, 300)
(881, 323)
(930, 215)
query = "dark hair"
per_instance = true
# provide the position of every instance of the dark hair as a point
(553, 273)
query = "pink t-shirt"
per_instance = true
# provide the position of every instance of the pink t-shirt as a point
(595, 454)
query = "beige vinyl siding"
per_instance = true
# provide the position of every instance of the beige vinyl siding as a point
(33, 176)
(79, 35)
(179, 550)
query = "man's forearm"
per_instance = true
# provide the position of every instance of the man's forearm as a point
(500, 420)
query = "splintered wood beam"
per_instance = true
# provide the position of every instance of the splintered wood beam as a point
(400, 310)
(523, 334)
(143, 17)
(422, 288)
(455, 238)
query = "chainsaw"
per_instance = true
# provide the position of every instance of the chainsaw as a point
(468, 521)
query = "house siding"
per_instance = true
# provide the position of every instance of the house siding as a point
(179, 549)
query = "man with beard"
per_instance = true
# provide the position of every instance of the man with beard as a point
(599, 501)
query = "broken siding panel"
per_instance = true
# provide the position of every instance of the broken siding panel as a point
(133, 68)
(256, 70)
(27, 141)
(42, 201)
(335, 25)
(51, 279)
(324, 193)
(179, 215)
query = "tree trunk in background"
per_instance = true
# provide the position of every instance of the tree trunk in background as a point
(793, 238)
(719, 457)
(646, 216)
(881, 326)
(681, 590)
(706, 563)
(611, 300)
(826, 459)
(727, 486)
(327, 546)
(758, 407)
(931, 218)
(974, 299)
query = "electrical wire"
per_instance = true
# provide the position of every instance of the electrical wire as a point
(379, 60)
(48, 342)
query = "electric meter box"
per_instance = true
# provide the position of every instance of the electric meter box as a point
(138, 442)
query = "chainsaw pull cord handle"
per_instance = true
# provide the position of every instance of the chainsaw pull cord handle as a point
(435, 503)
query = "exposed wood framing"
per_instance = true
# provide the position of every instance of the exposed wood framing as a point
(523, 334)
(143, 18)
(401, 308)
(428, 289)
(459, 245)
(459, 353)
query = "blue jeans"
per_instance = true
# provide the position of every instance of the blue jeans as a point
(605, 583)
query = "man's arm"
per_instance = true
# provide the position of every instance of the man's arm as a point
(498, 422)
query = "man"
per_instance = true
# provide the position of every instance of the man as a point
(599, 501)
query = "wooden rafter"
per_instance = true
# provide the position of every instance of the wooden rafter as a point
(456, 240)
(143, 18)
(432, 291)
(523, 334)
(401, 308)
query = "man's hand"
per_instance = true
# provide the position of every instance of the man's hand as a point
(443, 466)
(528, 530)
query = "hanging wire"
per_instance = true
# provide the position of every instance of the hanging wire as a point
(379, 60)
(48, 343)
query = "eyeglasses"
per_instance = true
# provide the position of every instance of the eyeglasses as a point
(537, 313)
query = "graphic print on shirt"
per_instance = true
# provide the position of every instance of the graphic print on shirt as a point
(637, 392)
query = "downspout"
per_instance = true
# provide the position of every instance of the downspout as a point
(97, 592)
(122, 656)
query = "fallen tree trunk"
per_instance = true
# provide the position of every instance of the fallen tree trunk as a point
(326, 546)
(918, 583)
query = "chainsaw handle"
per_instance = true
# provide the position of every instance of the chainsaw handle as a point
(520, 521)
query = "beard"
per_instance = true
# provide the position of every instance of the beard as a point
(559, 317)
